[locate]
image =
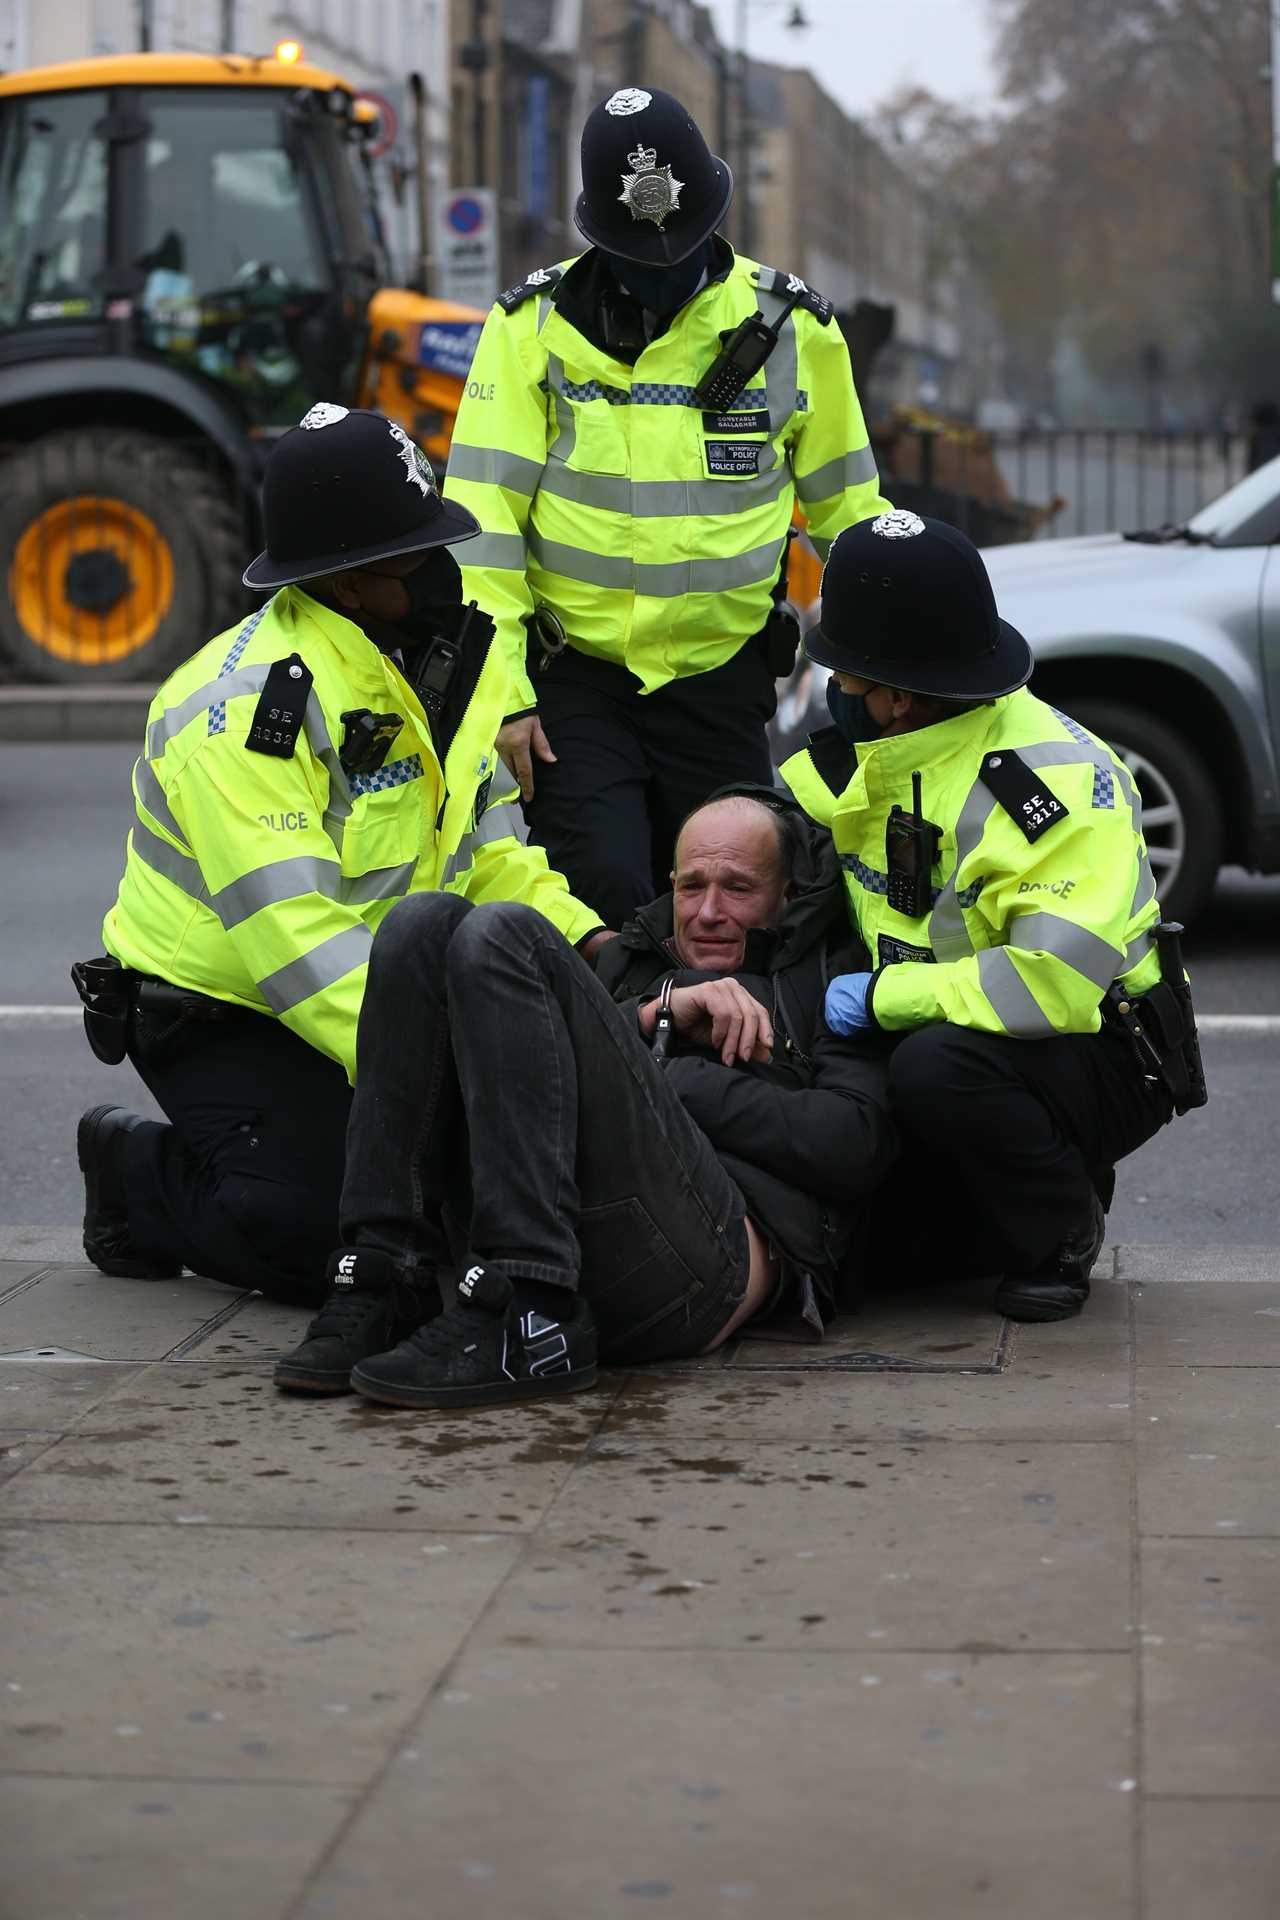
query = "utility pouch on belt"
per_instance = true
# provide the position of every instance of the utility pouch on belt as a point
(1161, 1025)
(106, 989)
(781, 630)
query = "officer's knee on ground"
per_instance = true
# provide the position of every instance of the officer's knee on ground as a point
(286, 1236)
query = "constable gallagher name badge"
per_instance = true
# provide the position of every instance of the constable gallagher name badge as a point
(733, 458)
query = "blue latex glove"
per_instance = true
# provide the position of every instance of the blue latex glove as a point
(846, 1003)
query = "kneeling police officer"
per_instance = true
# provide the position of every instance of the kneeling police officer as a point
(300, 774)
(996, 870)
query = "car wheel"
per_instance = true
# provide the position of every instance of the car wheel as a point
(1182, 817)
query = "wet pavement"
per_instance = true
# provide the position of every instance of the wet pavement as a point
(945, 1617)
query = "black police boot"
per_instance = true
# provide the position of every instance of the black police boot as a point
(100, 1140)
(494, 1344)
(1062, 1288)
(371, 1305)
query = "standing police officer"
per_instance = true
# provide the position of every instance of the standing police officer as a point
(300, 774)
(996, 870)
(638, 424)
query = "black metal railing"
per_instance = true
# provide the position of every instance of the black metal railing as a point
(1047, 484)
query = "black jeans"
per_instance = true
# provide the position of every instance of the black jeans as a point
(1005, 1141)
(506, 1107)
(631, 765)
(243, 1185)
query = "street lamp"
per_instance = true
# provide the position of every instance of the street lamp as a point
(796, 22)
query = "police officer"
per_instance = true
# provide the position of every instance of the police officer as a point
(643, 514)
(301, 773)
(996, 869)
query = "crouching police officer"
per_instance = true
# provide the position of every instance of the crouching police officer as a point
(300, 774)
(996, 869)
(637, 427)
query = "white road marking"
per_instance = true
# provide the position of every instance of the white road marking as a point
(1206, 1022)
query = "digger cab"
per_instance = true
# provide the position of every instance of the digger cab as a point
(190, 255)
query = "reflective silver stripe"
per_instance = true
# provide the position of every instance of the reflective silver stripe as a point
(504, 550)
(948, 934)
(848, 470)
(268, 886)
(494, 468)
(782, 362)
(1145, 891)
(243, 680)
(312, 972)
(1096, 959)
(1011, 997)
(151, 795)
(659, 499)
(1136, 951)
(1063, 753)
(665, 581)
(316, 728)
(567, 427)
(501, 822)
(182, 870)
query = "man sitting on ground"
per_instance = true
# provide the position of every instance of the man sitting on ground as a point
(508, 1108)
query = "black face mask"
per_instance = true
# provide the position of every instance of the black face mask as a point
(661, 290)
(853, 720)
(435, 605)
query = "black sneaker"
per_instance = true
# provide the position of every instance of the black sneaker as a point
(492, 1346)
(1062, 1289)
(370, 1306)
(100, 1140)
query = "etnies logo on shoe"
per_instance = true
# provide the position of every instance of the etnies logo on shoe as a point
(346, 1273)
(467, 1284)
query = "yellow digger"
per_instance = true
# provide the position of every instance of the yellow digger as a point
(190, 254)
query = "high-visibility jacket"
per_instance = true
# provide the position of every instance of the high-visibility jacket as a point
(261, 880)
(653, 530)
(1024, 935)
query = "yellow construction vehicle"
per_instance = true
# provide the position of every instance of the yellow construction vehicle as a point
(190, 255)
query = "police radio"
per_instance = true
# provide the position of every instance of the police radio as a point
(911, 848)
(743, 351)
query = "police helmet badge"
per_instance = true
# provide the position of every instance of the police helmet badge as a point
(628, 100)
(650, 192)
(901, 524)
(417, 467)
(325, 413)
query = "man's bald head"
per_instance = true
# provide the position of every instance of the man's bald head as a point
(732, 872)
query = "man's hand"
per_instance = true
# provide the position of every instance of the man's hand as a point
(721, 1014)
(517, 742)
(846, 1006)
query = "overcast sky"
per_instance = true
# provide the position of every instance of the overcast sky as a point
(863, 50)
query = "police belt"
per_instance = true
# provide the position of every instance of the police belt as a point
(121, 1006)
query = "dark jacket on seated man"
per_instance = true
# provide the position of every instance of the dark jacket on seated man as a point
(806, 1135)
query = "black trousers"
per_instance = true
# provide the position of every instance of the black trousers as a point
(507, 1111)
(631, 765)
(1005, 1141)
(243, 1184)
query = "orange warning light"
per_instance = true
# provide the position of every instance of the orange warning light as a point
(289, 52)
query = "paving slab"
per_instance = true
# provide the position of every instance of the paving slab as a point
(1172, 1265)
(1208, 1450)
(55, 1394)
(1209, 1324)
(231, 1653)
(1210, 1657)
(948, 1329)
(13, 1273)
(79, 1311)
(1211, 1857)
(1022, 1403)
(799, 1544)
(723, 1784)
(224, 1444)
(149, 1849)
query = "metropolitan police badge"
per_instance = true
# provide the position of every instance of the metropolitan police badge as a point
(901, 524)
(650, 192)
(417, 468)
